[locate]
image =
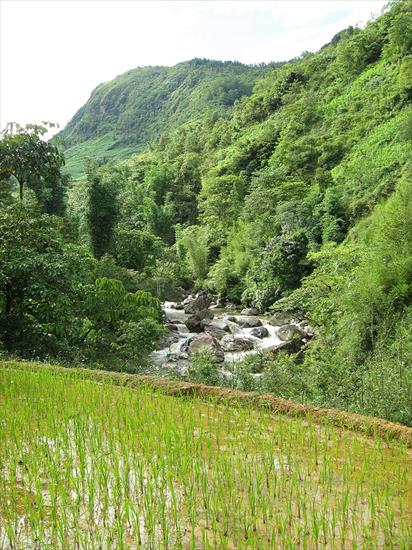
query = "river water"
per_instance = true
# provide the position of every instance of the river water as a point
(175, 351)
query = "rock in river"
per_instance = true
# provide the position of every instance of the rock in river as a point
(236, 343)
(249, 311)
(206, 342)
(260, 332)
(293, 346)
(249, 322)
(194, 322)
(199, 302)
(218, 328)
(281, 318)
(291, 332)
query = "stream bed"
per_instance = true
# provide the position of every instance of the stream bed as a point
(230, 335)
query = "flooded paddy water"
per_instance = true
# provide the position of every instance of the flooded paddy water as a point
(86, 465)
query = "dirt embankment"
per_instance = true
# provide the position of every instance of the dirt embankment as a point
(367, 425)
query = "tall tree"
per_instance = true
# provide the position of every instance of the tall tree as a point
(102, 210)
(34, 163)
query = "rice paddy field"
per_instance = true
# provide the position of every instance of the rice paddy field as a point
(91, 465)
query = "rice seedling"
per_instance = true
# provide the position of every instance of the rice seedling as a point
(92, 465)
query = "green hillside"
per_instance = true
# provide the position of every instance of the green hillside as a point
(126, 114)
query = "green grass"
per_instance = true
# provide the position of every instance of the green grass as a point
(98, 149)
(94, 465)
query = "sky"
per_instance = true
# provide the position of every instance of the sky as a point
(53, 53)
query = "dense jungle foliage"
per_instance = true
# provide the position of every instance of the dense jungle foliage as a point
(285, 187)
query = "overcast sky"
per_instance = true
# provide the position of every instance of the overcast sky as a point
(53, 53)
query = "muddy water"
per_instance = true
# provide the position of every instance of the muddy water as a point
(175, 352)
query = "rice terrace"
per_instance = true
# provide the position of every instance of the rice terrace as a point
(88, 462)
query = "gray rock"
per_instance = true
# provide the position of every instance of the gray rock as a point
(291, 332)
(249, 322)
(176, 356)
(236, 343)
(260, 332)
(293, 346)
(199, 302)
(281, 318)
(206, 342)
(194, 322)
(178, 306)
(168, 339)
(249, 311)
(232, 318)
(307, 329)
(218, 328)
(221, 323)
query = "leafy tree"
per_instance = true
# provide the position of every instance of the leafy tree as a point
(192, 245)
(400, 31)
(121, 322)
(43, 282)
(278, 269)
(220, 202)
(34, 163)
(102, 210)
(136, 248)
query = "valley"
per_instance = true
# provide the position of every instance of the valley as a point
(206, 279)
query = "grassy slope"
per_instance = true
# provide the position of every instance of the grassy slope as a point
(124, 115)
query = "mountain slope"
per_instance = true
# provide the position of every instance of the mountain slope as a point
(124, 115)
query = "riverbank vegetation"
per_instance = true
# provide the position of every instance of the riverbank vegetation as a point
(286, 188)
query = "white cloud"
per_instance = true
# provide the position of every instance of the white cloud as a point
(54, 53)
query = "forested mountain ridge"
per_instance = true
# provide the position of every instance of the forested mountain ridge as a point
(124, 115)
(296, 198)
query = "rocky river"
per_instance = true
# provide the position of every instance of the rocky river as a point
(229, 334)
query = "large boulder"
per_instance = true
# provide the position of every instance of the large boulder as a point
(307, 329)
(291, 332)
(199, 302)
(249, 311)
(260, 332)
(206, 342)
(231, 318)
(236, 343)
(249, 322)
(218, 328)
(293, 346)
(168, 339)
(194, 322)
(281, 318)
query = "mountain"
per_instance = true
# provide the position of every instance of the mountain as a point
(124, 115)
